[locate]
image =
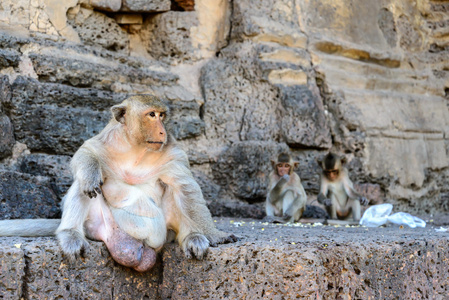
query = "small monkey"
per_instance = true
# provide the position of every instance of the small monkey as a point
(132, 184)
(286, 197)
(337, 192)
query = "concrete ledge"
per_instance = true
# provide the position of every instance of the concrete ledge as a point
(271, 261)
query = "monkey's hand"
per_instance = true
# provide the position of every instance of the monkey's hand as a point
(286, 177)
(92, 186)
(364, 201)
(323, 200)
(327, 202)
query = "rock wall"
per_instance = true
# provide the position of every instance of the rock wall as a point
(246, 79)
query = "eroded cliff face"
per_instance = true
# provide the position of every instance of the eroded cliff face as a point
(246, 79)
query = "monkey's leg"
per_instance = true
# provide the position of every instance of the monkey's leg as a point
(334, 210)
(70, 232)
(292, 206)
(355, 208)
(123, 248)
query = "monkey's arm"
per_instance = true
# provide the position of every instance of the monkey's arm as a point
(277, 189)
(190, 218)
(324, 189)
(86, 169)
(350, 190)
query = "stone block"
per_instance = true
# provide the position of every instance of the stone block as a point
(95, 28)
(128, 18)
(303, 123)
(243, 168)
(146, 5)
(55, 167)
(95, 276)
(106, 5)
(12, 271)
(168, 37)
(24, 196)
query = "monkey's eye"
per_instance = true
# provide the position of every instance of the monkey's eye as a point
(152, 114)
(162, 115)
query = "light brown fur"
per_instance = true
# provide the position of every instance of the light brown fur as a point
(132, 183)
(286, 197)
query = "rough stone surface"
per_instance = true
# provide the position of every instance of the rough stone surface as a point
(243, 179)
(95, 28)
(24, 196)
(168, 36)
(49, 274)
(270, 261)
(146, 5)
(55, 167)
(106, 5)
(363, 78)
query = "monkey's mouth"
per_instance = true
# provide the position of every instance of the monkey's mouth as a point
(150, 142)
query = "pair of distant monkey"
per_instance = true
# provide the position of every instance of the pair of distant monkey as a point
(287, 199)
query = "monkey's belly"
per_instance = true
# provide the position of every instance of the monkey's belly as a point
(135, 211)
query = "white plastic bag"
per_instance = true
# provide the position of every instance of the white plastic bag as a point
(378, 215)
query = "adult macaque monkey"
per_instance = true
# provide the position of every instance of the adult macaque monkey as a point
(337, 192)
(286, 197)
(132, 183)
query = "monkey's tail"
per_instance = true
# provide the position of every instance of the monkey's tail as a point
(29, 227)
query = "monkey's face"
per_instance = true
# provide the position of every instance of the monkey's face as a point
(283, 169)
(152, 129)
(332, 174)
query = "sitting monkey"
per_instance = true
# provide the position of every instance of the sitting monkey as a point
(132, 183)
(286, 197)
(337, 192)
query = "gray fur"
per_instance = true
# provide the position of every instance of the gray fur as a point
(29, 227)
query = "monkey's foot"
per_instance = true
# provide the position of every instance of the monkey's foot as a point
(72, 243)
(195, 245)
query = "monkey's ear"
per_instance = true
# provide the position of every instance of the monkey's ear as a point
(273, 164)
(295, 164)
(119, 112)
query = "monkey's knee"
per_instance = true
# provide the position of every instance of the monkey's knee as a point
(195, 245)
(72, 242)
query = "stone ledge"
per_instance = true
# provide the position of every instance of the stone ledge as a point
(271, 261)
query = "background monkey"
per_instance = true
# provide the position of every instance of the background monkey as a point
(132, 183)
(337, 192)
(286, 197)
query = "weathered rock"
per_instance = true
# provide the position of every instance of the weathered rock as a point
(270, 261)
(167, 36)
(106, 5)
(278, 261)
(55, 167)
(87, 72)
(6, 136)
(23, 196)
(54, 118)
(243, 168)
(95, 28)
(303, 124)
(268, 21)
(48, 273)
(9, 58)
(12, 272)
(146, 5)
(239, 106)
